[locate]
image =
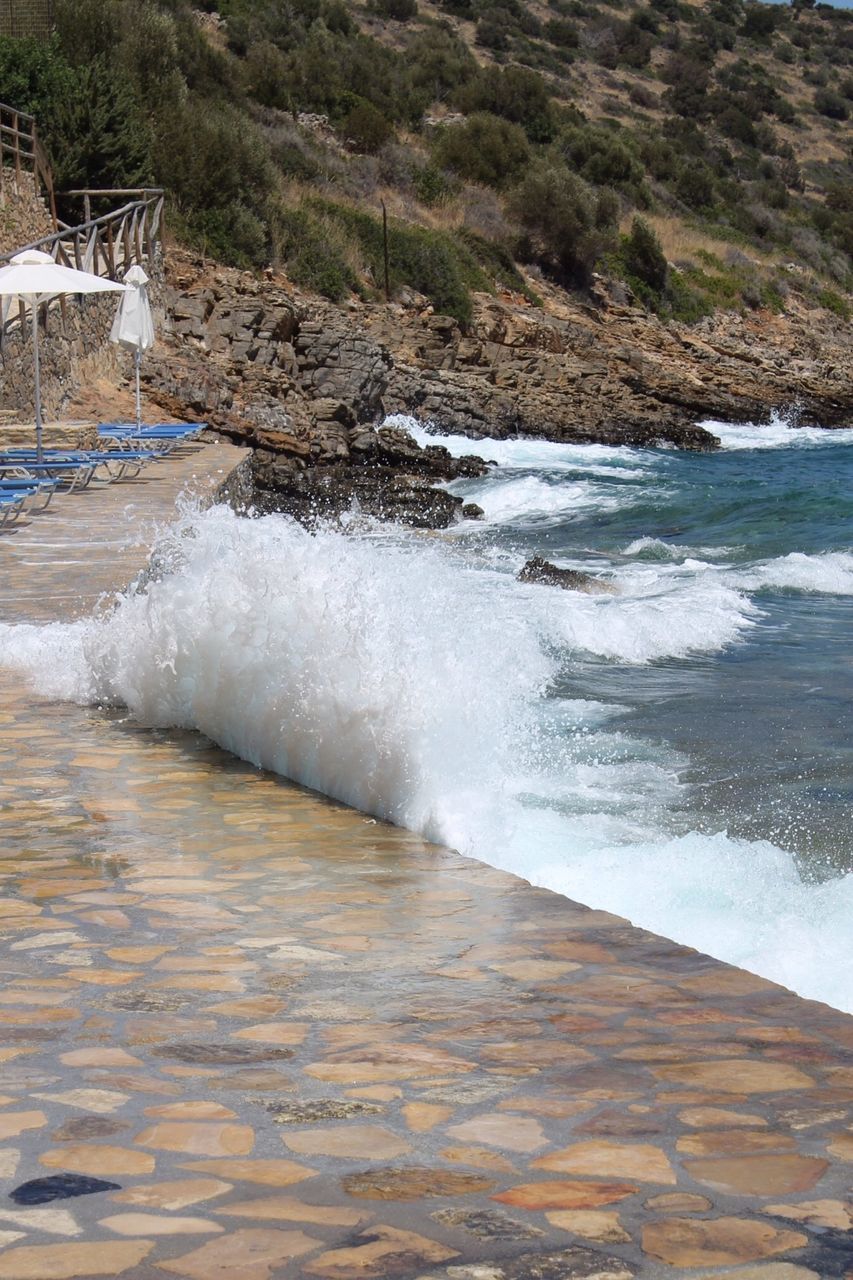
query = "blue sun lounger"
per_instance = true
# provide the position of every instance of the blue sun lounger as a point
(115, 464)
(67, 474)
(29, 487)
(11, 506)
(162, 436)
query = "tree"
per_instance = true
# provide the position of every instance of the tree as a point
(559, 216)
(644, 258)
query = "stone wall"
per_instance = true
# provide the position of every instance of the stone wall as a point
(24, 217)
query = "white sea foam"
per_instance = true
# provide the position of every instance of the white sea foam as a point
(528, 500)
(653, 615)
(779, 433)
(530, 454)
(388, 674)
(830, 573)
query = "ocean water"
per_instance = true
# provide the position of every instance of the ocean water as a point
(679, 752)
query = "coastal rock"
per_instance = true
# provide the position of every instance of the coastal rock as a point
(329, 492)
(306, 382)
(539, 570)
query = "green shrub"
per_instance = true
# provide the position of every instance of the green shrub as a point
(98, 136)
(365, 128)
(600, 157)
(831, 104)
(834, 302)
(514, 93)
(484, 149)
(399, 10)
(695, 185)
(266, 72)
(759, 22)
(497, 261)
(431, 185)
(438, 62)
(229, 232)
(218, 169)
(431, 262)
(313, 260)
(643, 257)
(563, 33)
(557, 212)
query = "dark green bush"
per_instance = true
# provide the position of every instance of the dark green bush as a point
(365, 129)
(563, 33)
(695, 185)
(431, 262)
(759, 22)
(399, 10)
(266, 70)
(484, 149)
(600, 156)
(515, 93)
(688, 81)
(495, 31)
(431, 185)
(643, 257)
(312, 260)
(557, 212)
(438, 62)
(219, 171)
(831, 104)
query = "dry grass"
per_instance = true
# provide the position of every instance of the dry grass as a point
(683, 243)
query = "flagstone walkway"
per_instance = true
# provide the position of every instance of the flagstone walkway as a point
(60, 562)
(246, 1033)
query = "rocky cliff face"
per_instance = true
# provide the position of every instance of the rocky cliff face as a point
(306, 382)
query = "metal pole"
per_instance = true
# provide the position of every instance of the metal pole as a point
(37, 375)
(137, 360)
(385, 251)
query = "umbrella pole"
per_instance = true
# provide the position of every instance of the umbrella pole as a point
(37, 370)
(137, 360)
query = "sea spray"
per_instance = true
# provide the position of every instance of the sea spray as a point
(397, 674)
(371, 669)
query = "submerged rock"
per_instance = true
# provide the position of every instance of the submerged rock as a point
(540, 570)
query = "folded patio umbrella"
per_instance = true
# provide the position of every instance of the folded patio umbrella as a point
(35, 278)
(133, 327)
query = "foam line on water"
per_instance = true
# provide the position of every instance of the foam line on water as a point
(529, 453)
(527, 500)
(781, 432)
(830, 573)
(391, 675)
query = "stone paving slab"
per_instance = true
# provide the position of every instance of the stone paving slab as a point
(247, 1033)
(58, 564)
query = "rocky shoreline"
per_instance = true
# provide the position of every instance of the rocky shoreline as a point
(305, 383)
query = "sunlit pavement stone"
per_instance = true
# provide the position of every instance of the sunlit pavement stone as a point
(246, 1033)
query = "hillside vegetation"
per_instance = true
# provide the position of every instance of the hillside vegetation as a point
(699, 153)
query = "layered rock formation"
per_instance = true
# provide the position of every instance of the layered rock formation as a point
(300, 379)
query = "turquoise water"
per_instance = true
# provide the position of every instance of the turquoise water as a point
(766, 720)
(723, 667)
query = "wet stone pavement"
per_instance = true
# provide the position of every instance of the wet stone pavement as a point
(247, 1033)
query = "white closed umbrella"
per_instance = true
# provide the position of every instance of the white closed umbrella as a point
(133, 327)
(34, 277)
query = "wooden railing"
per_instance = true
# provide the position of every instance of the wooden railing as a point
(23, 159)
(105, 246)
